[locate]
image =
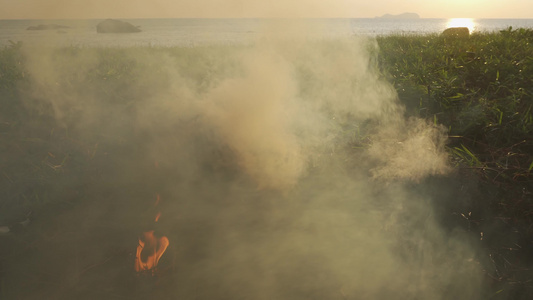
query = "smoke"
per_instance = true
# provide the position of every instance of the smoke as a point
(252, 115)
(411, 149)
(286, 167)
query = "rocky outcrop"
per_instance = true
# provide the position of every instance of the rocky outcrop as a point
(47, 27)
(460, 32)
(116, 26)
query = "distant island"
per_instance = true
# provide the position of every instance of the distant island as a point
(47, 27)
(400, 16)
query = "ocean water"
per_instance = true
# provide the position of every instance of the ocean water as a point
(192, 32)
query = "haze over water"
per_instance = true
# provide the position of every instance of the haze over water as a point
(191, 32)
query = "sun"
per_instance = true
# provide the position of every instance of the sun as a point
(462, 22)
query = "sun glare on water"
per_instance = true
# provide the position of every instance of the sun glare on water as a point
(462, 22)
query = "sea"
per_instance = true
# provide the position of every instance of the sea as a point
(195, 32)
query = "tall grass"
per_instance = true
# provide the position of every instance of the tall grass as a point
(45, 155)
(481, 88)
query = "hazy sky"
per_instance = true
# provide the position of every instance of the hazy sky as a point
(50, 9)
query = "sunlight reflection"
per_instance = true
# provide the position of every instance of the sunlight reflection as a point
(462, 22)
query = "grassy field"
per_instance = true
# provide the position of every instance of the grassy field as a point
(54, 153)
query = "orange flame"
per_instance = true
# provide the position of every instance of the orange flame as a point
(150, 248)
(149, 251)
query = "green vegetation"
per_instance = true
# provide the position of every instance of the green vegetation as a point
(480, 89)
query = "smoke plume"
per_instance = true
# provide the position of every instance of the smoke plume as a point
(286, 169)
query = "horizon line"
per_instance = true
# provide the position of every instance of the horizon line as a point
(272, 18)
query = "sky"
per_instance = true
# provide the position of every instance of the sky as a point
(99, 9)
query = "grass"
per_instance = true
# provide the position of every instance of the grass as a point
(480, 88)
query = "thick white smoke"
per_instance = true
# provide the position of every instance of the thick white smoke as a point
(284, 167)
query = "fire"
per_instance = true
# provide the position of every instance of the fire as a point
(149, 251)
(150, 248)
